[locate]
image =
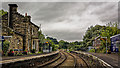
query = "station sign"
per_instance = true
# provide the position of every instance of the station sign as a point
(1, 38)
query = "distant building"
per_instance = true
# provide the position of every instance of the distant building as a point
(46, 47)
(97, 42)
(24, 33)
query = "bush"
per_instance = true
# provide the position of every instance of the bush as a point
(30, 53)
(5, 46)
(11, 50)
(25, 52)
(103, 50)
(98, 51)
(40, 52)
(19, 54)
(33, 51)
(11, 53)
(92, 50)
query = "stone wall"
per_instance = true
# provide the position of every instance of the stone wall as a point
(16, 41)
(7, 31)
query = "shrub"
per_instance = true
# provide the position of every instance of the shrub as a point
(11, 50)
(92, 50)
(103, 50)
(33, 51)
(5, 46)
(19, 54)
(30, 53)
(25, 52)
(11, 53)
(40, 52)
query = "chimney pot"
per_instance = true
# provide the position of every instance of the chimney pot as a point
(25, 14)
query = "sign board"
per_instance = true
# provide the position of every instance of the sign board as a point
(4, 37)
(1, 38)
(114, 43)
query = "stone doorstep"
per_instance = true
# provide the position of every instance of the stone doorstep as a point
(25, 58)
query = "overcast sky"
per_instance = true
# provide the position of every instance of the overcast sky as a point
(68, 20)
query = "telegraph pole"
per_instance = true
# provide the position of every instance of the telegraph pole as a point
(40, 39)
(40, 27)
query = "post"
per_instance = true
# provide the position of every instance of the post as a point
(49, 46)
(106, 45)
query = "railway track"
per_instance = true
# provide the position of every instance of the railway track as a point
(65, 60)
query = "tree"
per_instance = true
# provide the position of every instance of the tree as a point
(104, 31)
(56, 46)
(2, 12)
(54, 40)
(63, 44)
(41, 39)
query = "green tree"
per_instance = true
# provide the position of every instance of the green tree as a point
(56, 46)
(41, 39)
(2, 12)
(54, 40)
(92, 50)
(104, 31)
(63, 44)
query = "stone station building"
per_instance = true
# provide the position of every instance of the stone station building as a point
(24, 33)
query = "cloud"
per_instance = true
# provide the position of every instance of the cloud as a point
(105, 13)
(68, 20)
(59, 0)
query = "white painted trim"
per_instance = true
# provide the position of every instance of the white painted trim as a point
(7, 36)
(114, 35)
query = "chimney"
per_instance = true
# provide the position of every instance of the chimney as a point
(25, 14)
(28, 18)
(12, 9)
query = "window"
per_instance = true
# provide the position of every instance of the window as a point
(5, 30)
(18, 41)
(28, 45)
(32, 31)
(33, 44)
(28, 29)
